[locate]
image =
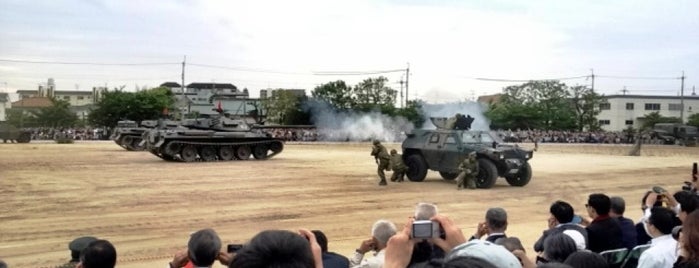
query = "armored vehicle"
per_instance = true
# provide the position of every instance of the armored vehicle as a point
(444, 148)
(13, 134)
(216, 138)
(674, 133)
(128, 134)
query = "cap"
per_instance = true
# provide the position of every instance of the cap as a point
(577, 237)
(78, 244)
(495, 254)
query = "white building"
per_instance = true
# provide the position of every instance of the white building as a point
(622, 111)
(4, 105)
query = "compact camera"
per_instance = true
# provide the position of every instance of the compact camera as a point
(232, 248)
(425, 229)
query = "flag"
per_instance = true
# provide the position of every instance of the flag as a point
(219, 108)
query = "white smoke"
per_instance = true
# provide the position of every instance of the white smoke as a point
(472, 108)
(332, 125)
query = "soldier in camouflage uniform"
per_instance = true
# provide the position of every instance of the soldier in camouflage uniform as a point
(469, 170)
(382, 159)
(398, 166)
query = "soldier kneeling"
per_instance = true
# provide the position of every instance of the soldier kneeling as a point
(398, 166)
(469, 170)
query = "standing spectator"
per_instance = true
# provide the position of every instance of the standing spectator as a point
(663, 249)
(494, 226)
(380, 233)
(330, 259)
(628, 229)
(98, 254)
(603, 232)
(561, 220)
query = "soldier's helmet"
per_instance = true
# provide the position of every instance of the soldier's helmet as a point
(377, 142)
(393, 151)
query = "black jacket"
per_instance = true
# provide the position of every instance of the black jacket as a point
(604, 233)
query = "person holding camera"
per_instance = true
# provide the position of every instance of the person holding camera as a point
(663, 249)
(382, 159)
(381, 232)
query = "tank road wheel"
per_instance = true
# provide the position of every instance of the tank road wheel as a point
(127, 142)
(136, 144)
(417, 168)
(522, 177)
(487, 174)
(448, 175)
(208, 153)
(242, 152)
(225, 153)
(260, 151)
(24, 138)
(172, 148)
(276, 147)
(189, 153)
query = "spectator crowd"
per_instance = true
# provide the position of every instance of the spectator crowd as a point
(667, 235)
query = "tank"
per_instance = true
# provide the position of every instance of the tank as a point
(13, 134)
(129, 135)
(216, 138)
(442, 150)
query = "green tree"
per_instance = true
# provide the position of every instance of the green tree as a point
(138, 106)
(284, 107)
(20, 118)
(535, 104)
(413, 113)
(56, 115)
(336, 93)
(586, 103)
(372, 93)
(693, 120)
(649, 120)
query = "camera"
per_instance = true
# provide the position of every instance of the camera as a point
(425, 229)
(676, 232)
(232, 248)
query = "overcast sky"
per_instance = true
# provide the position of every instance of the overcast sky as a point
(281, 44)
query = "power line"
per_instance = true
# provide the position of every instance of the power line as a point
(527, 80)
(88, 63)
(241, 69)
(359, 72)
(638, 77)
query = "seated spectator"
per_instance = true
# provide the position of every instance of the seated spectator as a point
(686, 201)
(493, 254)
(425, 251)
(603, 232)
(494, 226)
(277, 248)
(642, 237)
(98, 254)
(203, 249)
(628, 229)
(586, 259)
(557, 248)
(330, 259)
(380, 233)
(663, 249)
(561, 220)
(689, 242)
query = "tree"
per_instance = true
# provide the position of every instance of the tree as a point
(586, 103)
(693, 120)
(337, 94)
(534, 105)
(138, 106)
(372, 93)
(649, 120)
(284, 107)
(56, 115)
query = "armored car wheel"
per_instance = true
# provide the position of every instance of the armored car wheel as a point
(225, 153)
(189, 153)
(522, 177)
(448, 175)
(242, 152)
(417, 168)
(260, 151)
(208, 153)
(487, 174)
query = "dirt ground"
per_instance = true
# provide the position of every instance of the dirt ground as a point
(147, 207)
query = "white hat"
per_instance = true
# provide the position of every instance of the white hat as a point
(577, 237)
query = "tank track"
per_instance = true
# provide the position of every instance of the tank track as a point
(130, 142)
(181, 151)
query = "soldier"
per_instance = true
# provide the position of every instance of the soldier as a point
(451, 121)
(382, 160)
(469, 170)
(398, 166)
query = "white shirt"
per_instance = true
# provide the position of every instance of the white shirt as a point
(374, 262)
(661, 254)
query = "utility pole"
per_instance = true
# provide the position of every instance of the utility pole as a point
(592, 76)
(182, 97)
(401, 92)
(682, 99)
(407, 78)
(623, 91)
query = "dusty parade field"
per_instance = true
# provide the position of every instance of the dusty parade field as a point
(147, 207)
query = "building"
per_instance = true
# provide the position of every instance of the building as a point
(622, 111)
(4, 105)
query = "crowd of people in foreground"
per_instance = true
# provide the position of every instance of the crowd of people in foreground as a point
(667, 235)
